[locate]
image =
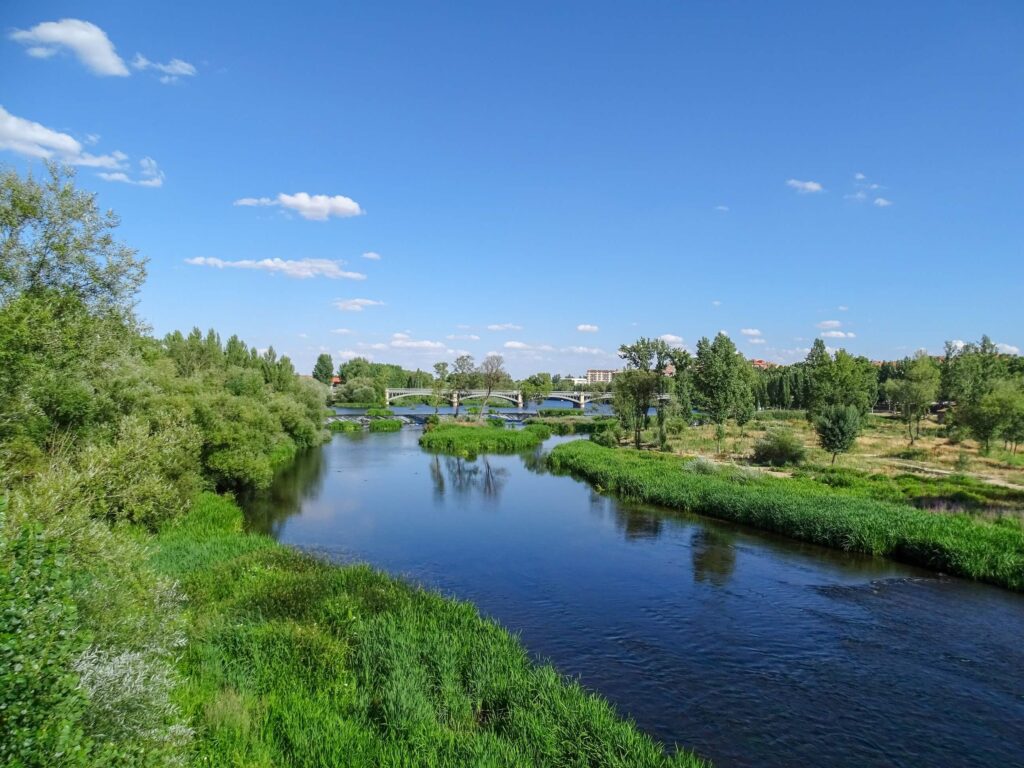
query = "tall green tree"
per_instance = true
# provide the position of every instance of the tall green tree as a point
(439, 386)
(721, 382)
(643, 384)
(461, 378)
(914, 392)
(323, 369)
(839, 380)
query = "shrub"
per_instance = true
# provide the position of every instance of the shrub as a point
(340, 425)
(495, 422)
(385, 425)
(379, 412)
(779, 447)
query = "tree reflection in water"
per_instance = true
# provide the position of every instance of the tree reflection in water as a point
(266, 511)
(464, 476)
(714, 556)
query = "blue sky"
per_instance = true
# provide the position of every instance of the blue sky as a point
(544, 180)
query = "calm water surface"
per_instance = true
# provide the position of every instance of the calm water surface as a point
(748, 648)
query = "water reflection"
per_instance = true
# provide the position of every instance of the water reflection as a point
(714, 555)
(464, 476)
(267, 511)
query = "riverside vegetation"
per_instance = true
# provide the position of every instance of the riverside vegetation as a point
(141, 627)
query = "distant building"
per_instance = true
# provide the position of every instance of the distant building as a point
(574, 381)
(600, 375)
(669, 369)
(762, 364)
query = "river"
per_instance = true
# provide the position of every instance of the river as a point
(746, 647)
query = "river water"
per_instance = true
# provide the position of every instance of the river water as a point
(745, 647)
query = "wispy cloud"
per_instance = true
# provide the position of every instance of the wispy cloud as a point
(722, 208)
(587, 328)
(312, 207)
(170, 72)
(716, 303)
(671, 338)
(756, 340)
(87, 42)
(298, 268)
(462, 337)
(750, 331)
(356, 305)
(596, 351)
(882, 202)
(830, 324)
(504, 327)
(342, 331)
(516, 345)
(1006, 349)
(843, 308)
(838, 335)
(150, 174)
(804, 187)
(372, 256)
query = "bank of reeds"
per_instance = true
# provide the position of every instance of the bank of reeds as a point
(805, 510)
(465, 440)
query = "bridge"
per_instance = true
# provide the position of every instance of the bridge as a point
(513, 396)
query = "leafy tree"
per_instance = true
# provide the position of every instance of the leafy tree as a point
(461, 378)
(992, 413)
(970, 371)
(492, 374)
(54, 237)
(839, 380)
(323, 369)
(838, 427)
(721, 381)
(643, 383)
(914, 392)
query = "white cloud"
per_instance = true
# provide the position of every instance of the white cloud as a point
(380, 345)
(722, 208)
(671, 338)
(587, 328)
(755, 341)
(372, 256)
(342, 331)
(516, 345)
(36, 140)
(881, 202)
(86, 41)
(716, 303)
(463, 337)
(299, 268)
(356, 305)
(859, 176)
(843, 308)
(750, 331)
(804, 187)
(150, 174)
(312, 207)
(585, 350)
(838, 335)
(348, 354)
(504, 327)
(172, 70)
(829, 324)
(1007, 349)
(403, 341)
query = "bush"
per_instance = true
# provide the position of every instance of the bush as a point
(339, 425)
(379, 412)
(609, 437)
(497, 423)
(778, 448)
(385, 425)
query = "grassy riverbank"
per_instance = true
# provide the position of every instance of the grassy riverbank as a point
(291, 661)
(467, 440)
(804, 509)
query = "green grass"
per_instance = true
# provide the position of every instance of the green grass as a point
(382, 412)
(295, 662)
(956, 491)
(385, 425)
(469, 441)
(806, 510)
